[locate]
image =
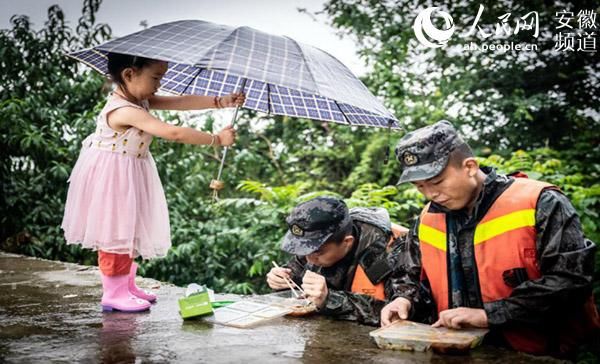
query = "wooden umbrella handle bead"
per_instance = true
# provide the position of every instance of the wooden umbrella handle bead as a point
(217, 185)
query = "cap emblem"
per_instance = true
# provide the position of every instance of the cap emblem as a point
(297, 230)
(409, 159)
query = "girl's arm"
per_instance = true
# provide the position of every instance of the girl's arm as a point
(196, 102)
(125, 117)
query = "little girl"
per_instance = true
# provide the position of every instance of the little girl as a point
(116, 203)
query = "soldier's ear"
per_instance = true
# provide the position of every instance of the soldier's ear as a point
(348, 240)
(472, 166)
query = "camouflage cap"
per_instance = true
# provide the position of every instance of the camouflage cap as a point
(424, 153)
(312, 223)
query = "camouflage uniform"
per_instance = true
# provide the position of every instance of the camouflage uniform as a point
(312, 223)
(565, 256)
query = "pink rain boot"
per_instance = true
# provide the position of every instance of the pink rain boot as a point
(135, 290)
(117, 297)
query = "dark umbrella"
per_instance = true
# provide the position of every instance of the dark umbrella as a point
(277, 74)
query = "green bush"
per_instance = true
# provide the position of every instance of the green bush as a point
(46, 109)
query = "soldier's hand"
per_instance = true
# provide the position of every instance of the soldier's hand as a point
(276, 278)
(315, 287)
(457, 318)
(398, 309)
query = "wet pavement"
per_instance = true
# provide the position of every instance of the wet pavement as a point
(50, 312)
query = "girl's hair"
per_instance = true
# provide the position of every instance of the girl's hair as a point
(117, 62)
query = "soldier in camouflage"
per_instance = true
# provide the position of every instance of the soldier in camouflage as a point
(555, 289)
(329, 243)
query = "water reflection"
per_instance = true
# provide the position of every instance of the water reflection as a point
(118, 330)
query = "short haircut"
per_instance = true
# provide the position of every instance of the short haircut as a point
(459, 154)
(117, 62)
(341, 233)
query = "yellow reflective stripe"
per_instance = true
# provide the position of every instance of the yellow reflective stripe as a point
(503, 224)
(432, 236)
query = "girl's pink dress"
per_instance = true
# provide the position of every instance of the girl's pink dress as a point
(116, 202)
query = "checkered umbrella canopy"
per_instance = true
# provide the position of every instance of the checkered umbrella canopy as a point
(279, 75)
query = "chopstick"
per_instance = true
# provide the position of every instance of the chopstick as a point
(290, 282)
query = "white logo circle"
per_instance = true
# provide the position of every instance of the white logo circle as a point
(438, 37)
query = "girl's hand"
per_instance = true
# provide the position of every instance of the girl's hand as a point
(227, 136)
(232, 100)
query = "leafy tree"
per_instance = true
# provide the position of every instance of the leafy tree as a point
(503, 100)
(46, 106)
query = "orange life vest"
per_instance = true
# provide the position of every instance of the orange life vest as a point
(362, 284)
(504, 239)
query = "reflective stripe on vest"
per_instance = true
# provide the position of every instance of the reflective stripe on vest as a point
(432, 238)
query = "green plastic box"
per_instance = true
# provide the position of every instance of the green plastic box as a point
(197, 304)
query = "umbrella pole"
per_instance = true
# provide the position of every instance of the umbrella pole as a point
(217, 184)
(233, 120)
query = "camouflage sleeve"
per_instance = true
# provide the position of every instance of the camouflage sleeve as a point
(350, 306)
(406, 277)
(566, 260)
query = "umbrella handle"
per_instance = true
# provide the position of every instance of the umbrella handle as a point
(233, 120)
